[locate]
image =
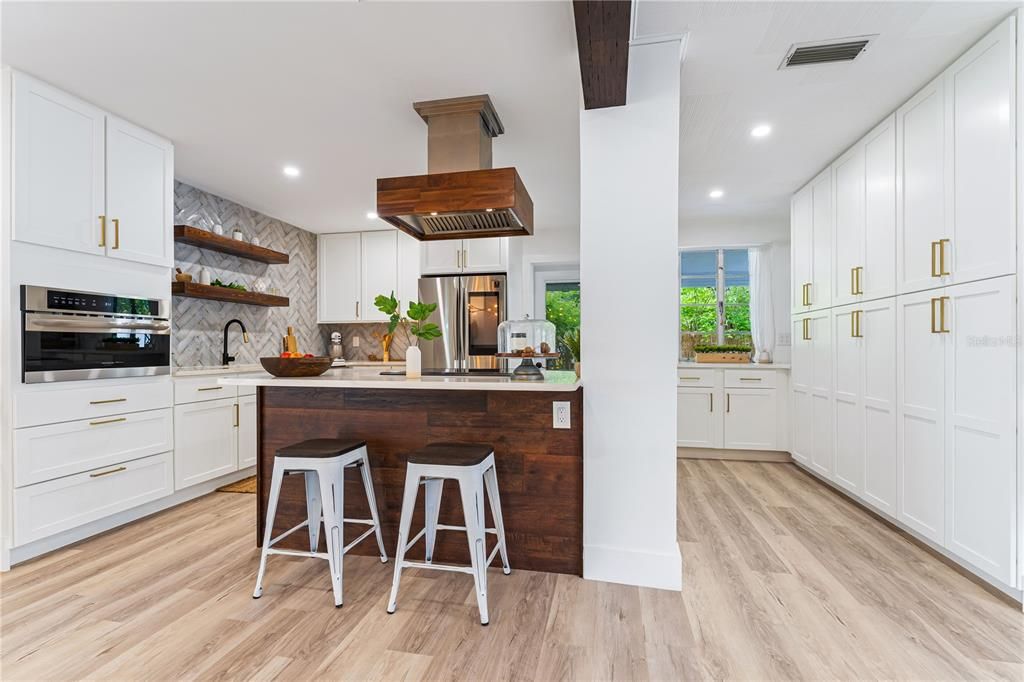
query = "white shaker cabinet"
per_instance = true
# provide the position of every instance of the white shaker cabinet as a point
(751, 419)
(88, 181)
(821, 263)
(812, 391)
(920, 190)
(801, 224)
(980, 158)
(58, 168)
(877, 277)
(378, 271)
(140, 194)
(340, 282)
(456, 256)
(699, 414)
(205, 441)
(247, 451)
(848, 171)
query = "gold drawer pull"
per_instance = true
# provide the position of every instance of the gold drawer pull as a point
(689, 378)
(941, 328)
(942, 257)
(728, 402)
(750, 378)
(108, 472)
(807, 328)
(108, 421)
(106, 402)
(117, 232)
(210, 388)
(711, 402)
(103, 230)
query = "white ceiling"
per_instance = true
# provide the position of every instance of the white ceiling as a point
(730, 82)
(244, 88)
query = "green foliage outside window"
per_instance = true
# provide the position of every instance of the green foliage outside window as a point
(698, 312)
(562, 309)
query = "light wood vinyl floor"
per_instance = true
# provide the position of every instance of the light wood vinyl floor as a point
(783, 580)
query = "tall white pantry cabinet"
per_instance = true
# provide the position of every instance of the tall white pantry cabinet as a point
(905, 322)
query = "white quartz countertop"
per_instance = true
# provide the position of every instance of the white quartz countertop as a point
(206, 370)
(733, 365)
(370, 377)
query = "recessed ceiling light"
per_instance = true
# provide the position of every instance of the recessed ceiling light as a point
(716, 193)
(291, 171)
(761, 130)
(371, 215)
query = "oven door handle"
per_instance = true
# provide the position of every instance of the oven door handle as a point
(45, 323)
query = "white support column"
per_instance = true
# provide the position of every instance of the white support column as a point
(629, 237)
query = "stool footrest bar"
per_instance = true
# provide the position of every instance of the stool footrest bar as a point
(358, 540)
(438, 567)
(288, 532)
(412, 542)
(295, 552)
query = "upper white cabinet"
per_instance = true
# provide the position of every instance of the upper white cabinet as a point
(140, 194)
(338, 274)
(354, 268)
(801, 244)
(58, 168)
(865, 218)
(980, 158)
(87, 181)
(956, 170)
(811, 227)
(455, 256)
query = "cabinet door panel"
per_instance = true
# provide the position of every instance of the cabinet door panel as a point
(849, 415)
(379, 270)
(338, 299)
(484, 255)
(980, 425)
(849, 223)
(140, 194)
(801, 369)
(802, 422)
(821, 264)
(205, 441)
(442, 257)
(751, 419)
(821, 352)
(878, 339)
(981, 93)
(699, 413)
(824, 438)
(58, 168)
(878, 279)
(801, 245)
(920, 187)
(246, 431)
(920, 362)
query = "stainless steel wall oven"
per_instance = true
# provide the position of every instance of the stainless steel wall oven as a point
(75, 335)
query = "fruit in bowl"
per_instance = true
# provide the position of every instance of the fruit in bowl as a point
(296, 365)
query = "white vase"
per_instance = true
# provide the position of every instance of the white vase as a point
(413, 363)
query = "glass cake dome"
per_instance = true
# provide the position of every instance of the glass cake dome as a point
(530, 340)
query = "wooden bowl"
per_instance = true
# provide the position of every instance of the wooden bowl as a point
(183, 277)
(296, 367)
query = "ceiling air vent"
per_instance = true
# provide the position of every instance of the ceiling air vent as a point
(825, 52)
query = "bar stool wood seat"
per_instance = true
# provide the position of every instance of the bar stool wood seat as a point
(472, 465)
(323, 462)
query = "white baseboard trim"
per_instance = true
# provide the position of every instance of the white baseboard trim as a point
(68, 537)
(660, 570)
(1010, 591)
(732, 455)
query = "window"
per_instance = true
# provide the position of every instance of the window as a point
(562, 308)
(714, 297)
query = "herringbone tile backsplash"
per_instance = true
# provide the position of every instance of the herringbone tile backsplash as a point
(199, 324)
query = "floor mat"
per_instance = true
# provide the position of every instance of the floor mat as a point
(246, 485)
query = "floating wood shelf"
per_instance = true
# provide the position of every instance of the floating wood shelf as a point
(186, 234)
(212, 293)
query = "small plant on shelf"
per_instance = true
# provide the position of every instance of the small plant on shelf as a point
(711, 353)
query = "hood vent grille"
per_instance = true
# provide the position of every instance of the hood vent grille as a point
(825, 52)
(486, 221)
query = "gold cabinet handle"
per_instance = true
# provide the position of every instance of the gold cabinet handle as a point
(689, 378)
(942, 257)
(860, 282)
(357, 310)
(728, 402)
(711, 402)
(107, 402)
(103, 230)
(855, 324)
(853, 281)
(209, 388)
(942, 315)
(750, 378)
(117, 232)
(108, 421)
(935, 264)
(236, 414)
(108, 472)
(807, 329)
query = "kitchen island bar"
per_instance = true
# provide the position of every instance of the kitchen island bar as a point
(539, 468)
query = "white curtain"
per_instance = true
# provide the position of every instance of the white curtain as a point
(762, 313)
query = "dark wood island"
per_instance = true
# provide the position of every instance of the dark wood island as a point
(540, 468)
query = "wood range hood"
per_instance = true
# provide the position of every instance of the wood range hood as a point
(462, 196)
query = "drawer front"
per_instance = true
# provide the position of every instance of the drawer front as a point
(47, 508)
(42, 453)
(51, 405)
(195, 389)
(700, 377)
(246, 390)
(746, 378)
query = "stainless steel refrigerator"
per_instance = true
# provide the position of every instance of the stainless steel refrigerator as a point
(469, 310)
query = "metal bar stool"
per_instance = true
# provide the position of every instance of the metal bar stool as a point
(323, 461)
(472, 466)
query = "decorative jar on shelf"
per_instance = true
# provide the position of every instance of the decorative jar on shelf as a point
(532, 340)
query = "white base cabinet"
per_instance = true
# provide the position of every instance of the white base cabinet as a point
(247, 452)
(734, 409)
(214, 429)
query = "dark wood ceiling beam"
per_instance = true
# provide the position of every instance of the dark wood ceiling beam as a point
(602, 38)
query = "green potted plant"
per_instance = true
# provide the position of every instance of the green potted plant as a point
(710, 353)
(415, 322)
(571, 340)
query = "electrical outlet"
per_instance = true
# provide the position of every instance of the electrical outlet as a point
(355, 342)
(561, 415)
